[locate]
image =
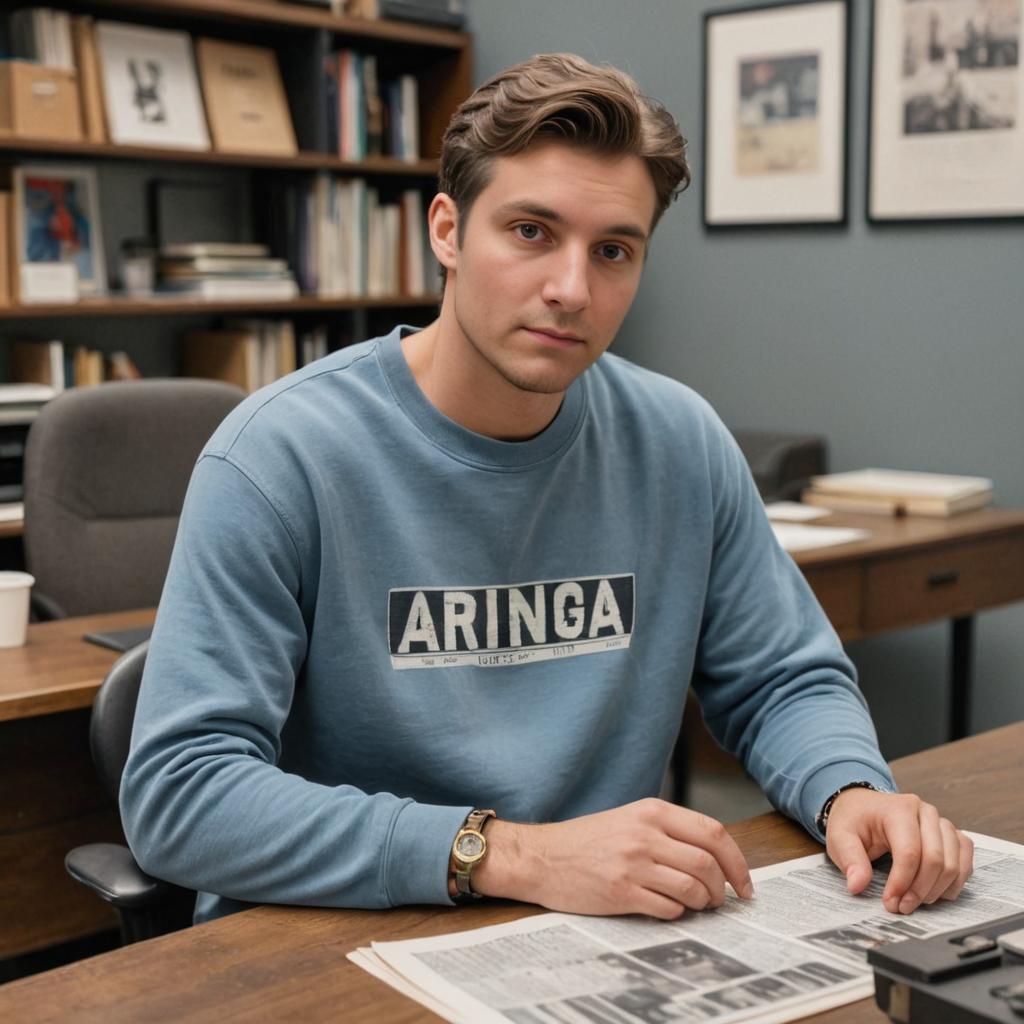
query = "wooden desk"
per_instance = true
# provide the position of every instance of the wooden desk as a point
(281, 963)
(914, 570)
(50, 799)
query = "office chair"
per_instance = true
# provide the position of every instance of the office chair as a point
(106, 469)
(146, 906)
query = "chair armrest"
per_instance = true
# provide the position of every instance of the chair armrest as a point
(109, 869)
(44, 608)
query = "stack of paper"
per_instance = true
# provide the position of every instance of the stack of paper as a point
(893, 492)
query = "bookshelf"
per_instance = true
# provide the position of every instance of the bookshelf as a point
(440, 60)
(151, 329)
(159, 306)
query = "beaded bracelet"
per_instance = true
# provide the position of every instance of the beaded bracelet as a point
(821, 821)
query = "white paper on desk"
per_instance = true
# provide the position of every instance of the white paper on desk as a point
(796, 949)
(12, 512)
(794, 511)
(798, 537)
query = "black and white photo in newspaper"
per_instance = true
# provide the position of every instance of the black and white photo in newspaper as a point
(797, 948)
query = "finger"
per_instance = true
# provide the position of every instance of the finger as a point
(678, 886)
(903, 835)
(966, 867)
(950, 861)
(846, 850)
(708, 834)
(692, 860)
(655, 904)
(930, 868)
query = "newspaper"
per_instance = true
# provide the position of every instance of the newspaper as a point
(797, 948)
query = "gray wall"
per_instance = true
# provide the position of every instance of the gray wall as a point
(902, 345)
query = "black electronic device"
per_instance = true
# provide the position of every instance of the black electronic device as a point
(971, 975)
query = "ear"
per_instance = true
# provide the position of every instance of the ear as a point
(443, 223)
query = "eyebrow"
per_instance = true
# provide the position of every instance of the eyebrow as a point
(546, 213)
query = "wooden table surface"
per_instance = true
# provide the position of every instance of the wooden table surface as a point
(288, 964)
(898, 534)
(55, 670)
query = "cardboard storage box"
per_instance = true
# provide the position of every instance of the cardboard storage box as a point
(39, 102)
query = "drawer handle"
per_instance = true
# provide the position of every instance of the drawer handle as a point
(943, 578)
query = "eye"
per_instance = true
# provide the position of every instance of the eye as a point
(614, 253)
(528, 232)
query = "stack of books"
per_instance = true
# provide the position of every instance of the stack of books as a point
(20, 403)
(220, 270)
(896, 493)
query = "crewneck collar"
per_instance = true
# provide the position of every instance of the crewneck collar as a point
(463, 444)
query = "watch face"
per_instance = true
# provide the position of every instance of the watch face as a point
(470, 846)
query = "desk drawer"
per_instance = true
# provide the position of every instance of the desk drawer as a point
(838, 590)
(954, 581)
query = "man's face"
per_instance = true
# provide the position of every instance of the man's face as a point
(550, 262)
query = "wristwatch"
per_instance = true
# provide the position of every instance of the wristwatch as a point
(468, 850)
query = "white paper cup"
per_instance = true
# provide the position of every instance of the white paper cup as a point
(15, 588)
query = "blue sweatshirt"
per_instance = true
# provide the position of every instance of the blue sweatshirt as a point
(376, 620)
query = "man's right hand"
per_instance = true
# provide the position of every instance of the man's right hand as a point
(649, 857)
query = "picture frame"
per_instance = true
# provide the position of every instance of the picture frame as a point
(56, 224)
(776, 115)
(946, 111)
(150, 87)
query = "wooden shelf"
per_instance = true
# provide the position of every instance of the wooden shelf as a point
(293, 15)
(303, 161)
(158, 306)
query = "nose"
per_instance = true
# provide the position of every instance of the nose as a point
(568, 284)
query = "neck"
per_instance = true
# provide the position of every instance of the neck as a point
(466, 388)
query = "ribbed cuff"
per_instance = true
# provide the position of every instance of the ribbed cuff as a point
(824, 782)
(416, 861)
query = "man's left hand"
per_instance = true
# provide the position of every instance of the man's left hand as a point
(931, 859)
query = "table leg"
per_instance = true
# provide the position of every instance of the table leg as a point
(960, 677)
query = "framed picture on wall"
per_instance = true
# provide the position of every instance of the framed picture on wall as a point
(151, 89)
(57, 229)
(775, 114)
(947, 110)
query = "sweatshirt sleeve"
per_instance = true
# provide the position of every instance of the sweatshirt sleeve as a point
(203, 801)
(776, 688)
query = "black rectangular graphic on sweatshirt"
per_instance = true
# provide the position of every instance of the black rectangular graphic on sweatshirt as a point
(441, 627)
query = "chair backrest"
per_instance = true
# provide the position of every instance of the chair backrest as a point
(113, 714)
(106, 469)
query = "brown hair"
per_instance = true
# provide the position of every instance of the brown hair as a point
(560, 96)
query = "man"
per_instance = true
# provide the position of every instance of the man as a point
(471, 569)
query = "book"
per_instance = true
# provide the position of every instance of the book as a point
(245, 98)
(233, 356)
(121, 366)
(26, 394)
(277, 345)
(214, 265)
(233, 288)
(7, 292)
(87, 367)
(90, 81)
(894, 492)
(874, 505)
(227, 250)
(38, 362)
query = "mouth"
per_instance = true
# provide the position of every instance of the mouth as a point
(559, 339)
